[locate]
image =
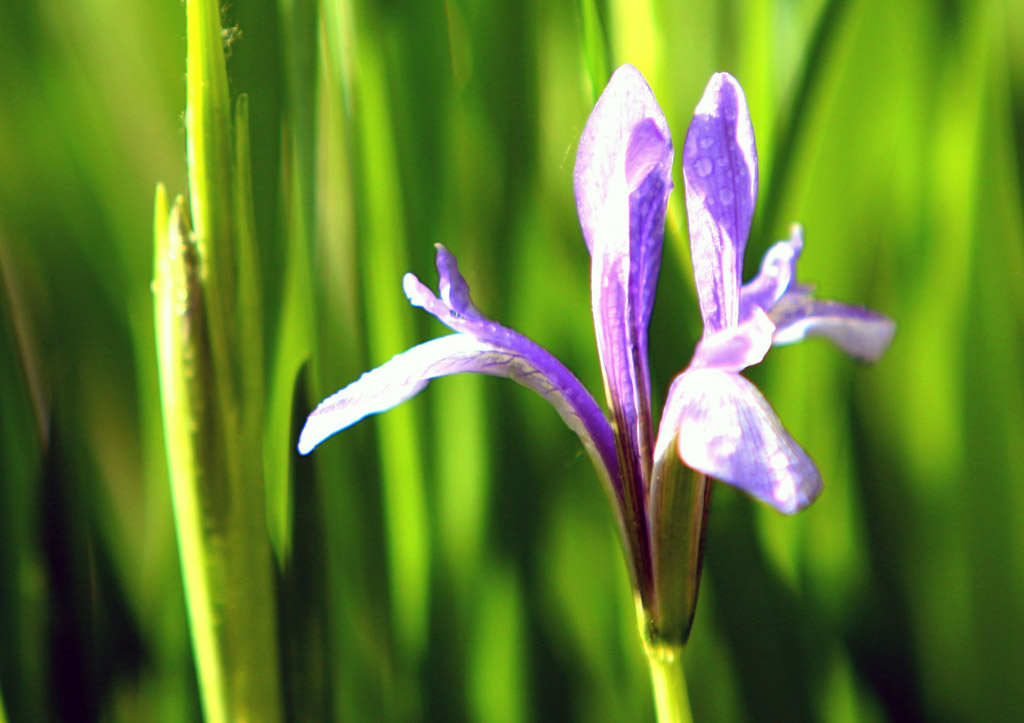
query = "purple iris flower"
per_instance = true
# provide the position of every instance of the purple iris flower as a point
(715, 421)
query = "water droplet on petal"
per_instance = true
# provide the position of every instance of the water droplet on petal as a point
(779, 461)
(726, 195)
(704, 167)
(706, 142)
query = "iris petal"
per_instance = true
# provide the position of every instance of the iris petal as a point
(737, 347)
(454, 289)
(599, 175)
(776, 277)
(482, 346)
(402, 377)
(407, 374)
(622, 177)
(720, 171)
(860, 332)
(724, 427)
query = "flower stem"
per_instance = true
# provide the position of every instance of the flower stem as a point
(670, 699)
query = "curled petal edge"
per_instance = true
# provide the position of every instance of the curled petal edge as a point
(528, 362)
(776, 277)
(453, 287)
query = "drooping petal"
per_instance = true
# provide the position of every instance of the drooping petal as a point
(861, 333)
(407, 374)
(720, 171)
(777, 275)
(724, 427)
(623, 176)
(401, 378)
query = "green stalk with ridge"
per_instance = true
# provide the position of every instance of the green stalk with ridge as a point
(209, 340)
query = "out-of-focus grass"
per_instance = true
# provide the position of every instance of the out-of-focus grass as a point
(891, 130)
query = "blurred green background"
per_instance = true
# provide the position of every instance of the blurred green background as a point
(456, 559)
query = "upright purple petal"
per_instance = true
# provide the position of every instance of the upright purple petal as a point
(720, 172)
(724, 427)
(622, 178)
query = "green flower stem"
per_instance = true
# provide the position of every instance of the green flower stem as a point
(671, 702)
(680, 499)
(679, 504)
